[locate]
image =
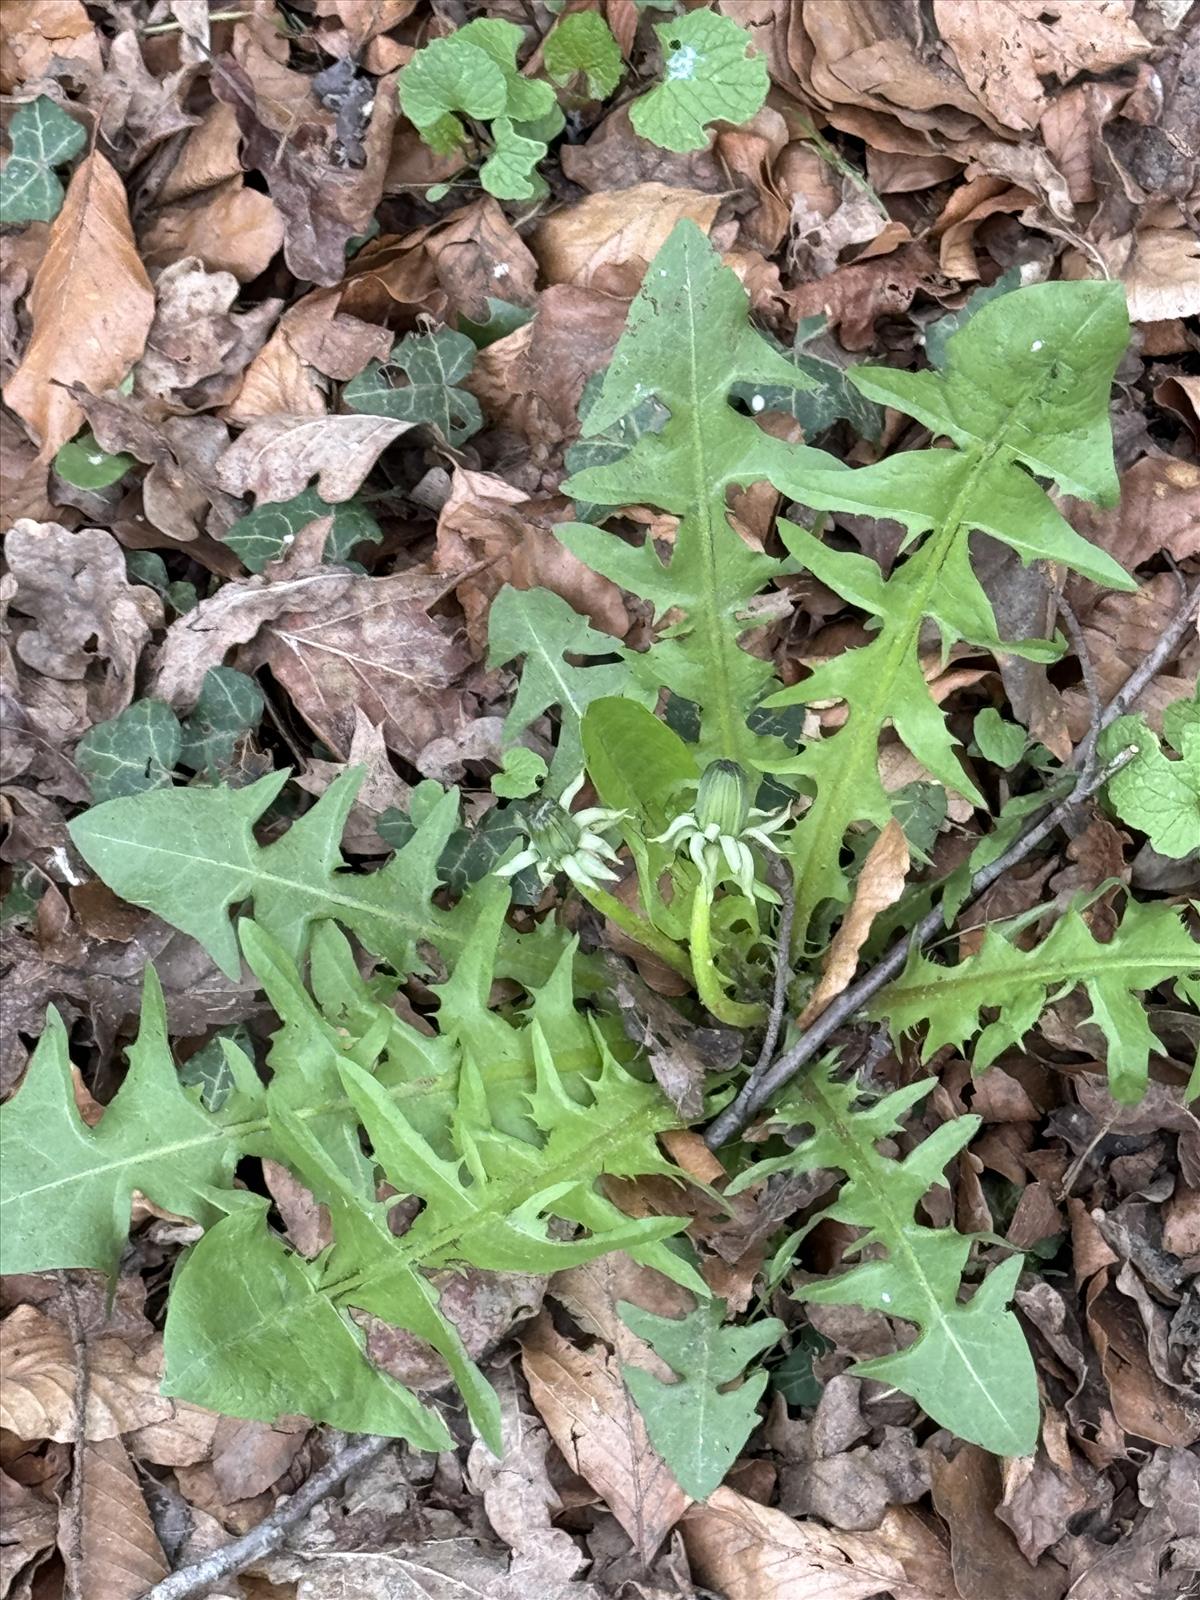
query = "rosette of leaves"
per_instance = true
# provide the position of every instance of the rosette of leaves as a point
(496, 1132)
(474, 72)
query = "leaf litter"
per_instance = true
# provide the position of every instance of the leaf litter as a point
(292, 399)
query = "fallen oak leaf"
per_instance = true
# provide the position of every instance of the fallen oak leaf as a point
(118, 1555)
(91, 303)
(277, 457)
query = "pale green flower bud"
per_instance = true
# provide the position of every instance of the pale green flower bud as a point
(723, 800)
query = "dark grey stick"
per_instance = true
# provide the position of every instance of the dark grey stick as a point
(759, 1088)
(273, 1530)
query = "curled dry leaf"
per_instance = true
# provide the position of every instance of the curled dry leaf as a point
(209, 156)
(748, 1551)
(595, 1423)
(91, 303)
(987, 1562)
(278, 456)
(880, 884)
(322, 206)
(198, 346)
(84, 610)
(29, 1521)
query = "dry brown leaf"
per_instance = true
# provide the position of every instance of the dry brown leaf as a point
(880, 884)
(1159, 510)
(322, 205)
(203, 636)
(120, 1556)
(595, 1423)
(37, 32)
(29, 1522)
(1006, 49)
(607, 239)
(493, 534)
(375, 648)
(853, 296)
(1143, 1404)
(39, 1382)
(198, 346)
(1162, 276)
(328, 339)
(138, 111)
(91, 303)
(277, 381)
(987, 1562)
(477, 253)
(277, 456)
(209, 156)
(229, 228)
(248, 1456)
(518, 1497)
(83, 611)
(614, 157)
(748, 1551)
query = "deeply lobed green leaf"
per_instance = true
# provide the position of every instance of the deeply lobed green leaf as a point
(1150, 946)
(969, 1366)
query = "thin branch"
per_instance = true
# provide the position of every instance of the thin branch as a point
(273, 1530)
(1169, 641)
(1087, 749)
(759, 1088)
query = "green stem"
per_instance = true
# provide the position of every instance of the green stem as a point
(708, 982)
(638, 929)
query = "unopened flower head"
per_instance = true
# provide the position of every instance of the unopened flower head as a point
(718, 832)
(572, 842)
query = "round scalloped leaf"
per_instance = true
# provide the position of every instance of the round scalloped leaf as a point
(450, 75)
(708, 77)
(583, 43)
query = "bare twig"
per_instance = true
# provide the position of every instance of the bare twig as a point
(273, 1530)
(1087, 749)
(1168, 643)
(73, 1552)
(759, 1087)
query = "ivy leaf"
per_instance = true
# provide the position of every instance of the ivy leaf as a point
(707, 77)
(688, 340)
(434, 363)
(83, 463)
(540, 626)
(68, 1188)
(240, 1290)
(1151, 945)
(1158, 796)
(503, 318)
(969, 1367)
(697, 1429)
(583, 43)
(446, 76)
(43, 137)
(265, 533)
(229, 704)
(132, 752)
